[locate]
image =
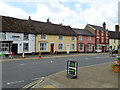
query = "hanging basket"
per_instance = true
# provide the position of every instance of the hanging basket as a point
(116, 69)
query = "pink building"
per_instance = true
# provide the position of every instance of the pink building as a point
(85, 40)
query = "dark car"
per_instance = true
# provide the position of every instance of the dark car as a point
(115, 51)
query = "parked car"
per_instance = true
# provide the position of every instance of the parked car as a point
(98, 51)
(115, 51)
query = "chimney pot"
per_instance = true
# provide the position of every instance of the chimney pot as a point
(104, 25)
(116, 28)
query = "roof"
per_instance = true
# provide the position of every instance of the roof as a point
(97, 27)
(52, 29)
(10, 24)
(114, 35)
(82, 32)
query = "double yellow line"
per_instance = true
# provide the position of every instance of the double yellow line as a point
(30, 85)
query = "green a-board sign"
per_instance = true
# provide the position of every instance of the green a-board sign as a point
(72, 69)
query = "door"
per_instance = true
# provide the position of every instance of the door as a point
(84, 49)
(14, 48)
(102, 49)
(52, 48)
(68, 48)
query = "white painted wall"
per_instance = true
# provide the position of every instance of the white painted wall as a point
(20, 40)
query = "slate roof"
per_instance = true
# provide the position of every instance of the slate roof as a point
(97, 27)
(114, 35)
(10, 24)
(82, 32)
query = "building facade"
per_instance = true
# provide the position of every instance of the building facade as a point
(102, 37)
(85, 40)
(54, 37)
(16, 36)
(114, 38)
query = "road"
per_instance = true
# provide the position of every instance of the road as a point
(16, 74)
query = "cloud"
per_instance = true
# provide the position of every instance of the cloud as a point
(97, 12)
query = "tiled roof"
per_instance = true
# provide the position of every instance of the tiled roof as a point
(82, 32)
(10, 24)
(97, 27)
(114, 35)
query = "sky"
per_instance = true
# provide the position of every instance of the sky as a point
(75, 13)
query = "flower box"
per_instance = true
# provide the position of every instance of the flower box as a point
(116, 69)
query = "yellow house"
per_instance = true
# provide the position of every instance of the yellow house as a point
(54, 38)
(114, 38)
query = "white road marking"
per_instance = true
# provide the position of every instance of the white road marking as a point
(97, 57)
(15, 82)
(21, 64)
(51, 61)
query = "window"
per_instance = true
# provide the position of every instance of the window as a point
(43, 36)
(90, 47)
(26, 37)
(89, 38)
(81, 47)
(5, 47)
(102, 33)
(80, 37)
(107, 47)
(106, 33)
(73, 38)
(97, 32)
(3, 36)
(97, 39)
(106, 40)
(98, 47)
(60, 46)
(73, 46)
(43, 46)
(60, 37)
(114, 40)
(102, 40)
(25, 47)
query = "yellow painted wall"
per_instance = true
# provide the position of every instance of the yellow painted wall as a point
(111, 43)
(55, 39)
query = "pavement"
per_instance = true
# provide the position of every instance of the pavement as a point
(30, 57)
(93, 76)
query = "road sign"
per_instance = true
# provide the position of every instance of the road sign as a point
(72, 69)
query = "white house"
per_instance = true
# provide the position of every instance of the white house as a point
(16, 36)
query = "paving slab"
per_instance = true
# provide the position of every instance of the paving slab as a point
(94, 76)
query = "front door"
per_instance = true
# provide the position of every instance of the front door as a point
(52, 48)
(68, 48)
(14, 48)
(102, 48)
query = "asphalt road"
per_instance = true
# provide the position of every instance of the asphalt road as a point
(16, 74)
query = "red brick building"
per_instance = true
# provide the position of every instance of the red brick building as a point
(85, 40)
(102, 37)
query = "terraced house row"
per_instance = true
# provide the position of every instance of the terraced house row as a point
(30, 36)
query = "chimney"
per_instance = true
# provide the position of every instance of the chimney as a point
(48, 20)
(116, 28)
(29, 18)
(104, 25)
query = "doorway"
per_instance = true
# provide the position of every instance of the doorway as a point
(52, 47)
(15, 48)
(68, 48)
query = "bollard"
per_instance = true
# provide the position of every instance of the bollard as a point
(40, 55)
(72, 69)
(23, 55)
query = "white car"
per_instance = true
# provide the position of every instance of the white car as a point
(98, 51)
